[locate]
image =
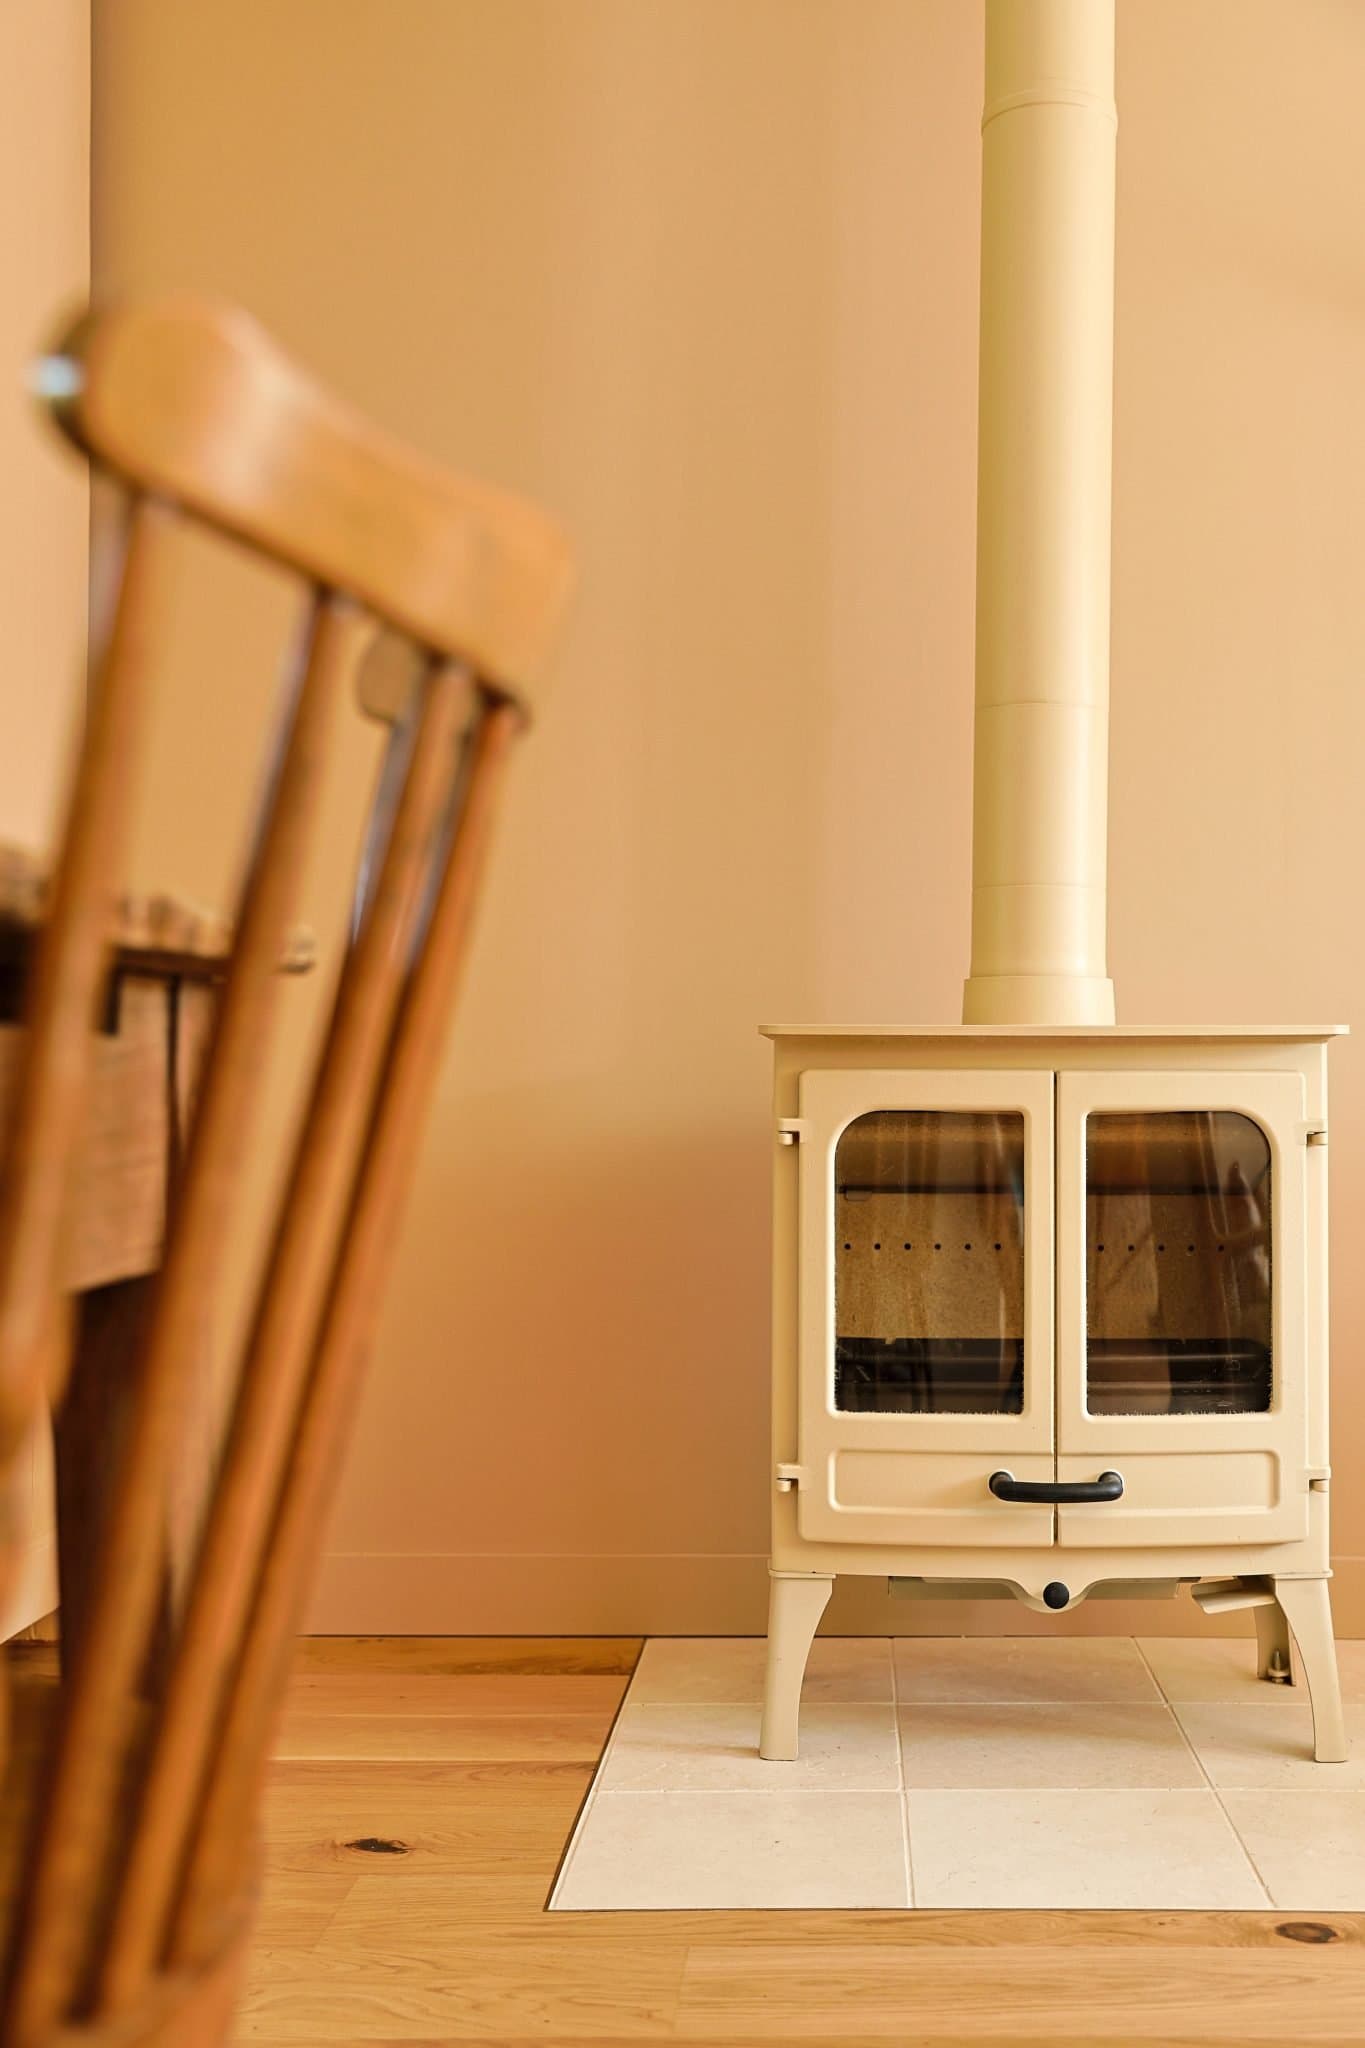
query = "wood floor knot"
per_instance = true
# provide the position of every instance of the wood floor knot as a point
(378, 1845)
(1313, 1931)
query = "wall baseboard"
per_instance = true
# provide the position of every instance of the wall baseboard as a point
(373, 1593)
(33, 1592)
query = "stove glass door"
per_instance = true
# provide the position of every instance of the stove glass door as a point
(1178, 1260)
(925, 1354)
(929, 1263)
(1181, 1320)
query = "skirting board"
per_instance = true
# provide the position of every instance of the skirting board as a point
(33, 1591)
(497, 1594)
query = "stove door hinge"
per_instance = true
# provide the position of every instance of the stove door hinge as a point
(1318, 1478)
(789, 1477)
(791, 1129)
(1315, 1134)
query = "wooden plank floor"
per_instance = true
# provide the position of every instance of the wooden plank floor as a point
(423, 1796)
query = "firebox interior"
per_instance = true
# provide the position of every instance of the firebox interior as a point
(1178, 1264)
(929, 1263)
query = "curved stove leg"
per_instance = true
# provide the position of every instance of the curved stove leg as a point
(796, 1600)
(1307, 1608)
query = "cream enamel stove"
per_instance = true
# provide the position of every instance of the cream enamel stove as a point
(1051, 1310)
(1050, 1296)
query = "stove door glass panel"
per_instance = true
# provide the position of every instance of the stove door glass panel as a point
(929, 1263)
(1178, 1251)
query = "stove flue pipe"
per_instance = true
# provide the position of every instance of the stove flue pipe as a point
(1042, 575)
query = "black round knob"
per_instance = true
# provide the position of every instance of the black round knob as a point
(1056, 1595)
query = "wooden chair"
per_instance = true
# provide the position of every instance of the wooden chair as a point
(138, 1860)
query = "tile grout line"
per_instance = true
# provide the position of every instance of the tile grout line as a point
(1240, 1839)
(751, 1792)
(1170, 1707)
(1204, 1774)
(902, 1795)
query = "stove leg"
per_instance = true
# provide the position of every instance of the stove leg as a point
(1272, 1643)
(796, 1600)
(1307, 1608)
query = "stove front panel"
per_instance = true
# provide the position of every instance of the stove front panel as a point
(1181, 1305)
(925, 1315)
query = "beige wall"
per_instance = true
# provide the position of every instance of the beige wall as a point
(45, 236)
(701, 274)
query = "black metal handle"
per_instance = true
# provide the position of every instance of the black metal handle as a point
(1109, 1486)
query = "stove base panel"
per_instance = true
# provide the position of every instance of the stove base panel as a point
(1297, 1607)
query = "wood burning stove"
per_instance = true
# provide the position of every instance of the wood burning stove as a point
(1051, 1311)
(1050, 1305)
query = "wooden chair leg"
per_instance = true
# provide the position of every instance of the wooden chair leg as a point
(53, 1943)
(191, 1482)
(90, 1423)
(291, 1302)
(351, 1310)
(89, 1434)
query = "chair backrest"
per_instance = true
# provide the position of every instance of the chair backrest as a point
(143, 1840)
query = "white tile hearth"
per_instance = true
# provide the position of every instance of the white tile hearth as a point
(1307, 1845)
(954, 1748)
(716, 1849)
(1156, 1775)
(1270, 1745)
(1212, 1668)
(1149, 1850)
(1022, 1671)
(701, 1746)
(856, 1669)
(1195, 1668)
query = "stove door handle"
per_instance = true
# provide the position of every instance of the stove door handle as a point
(1109, 1486)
